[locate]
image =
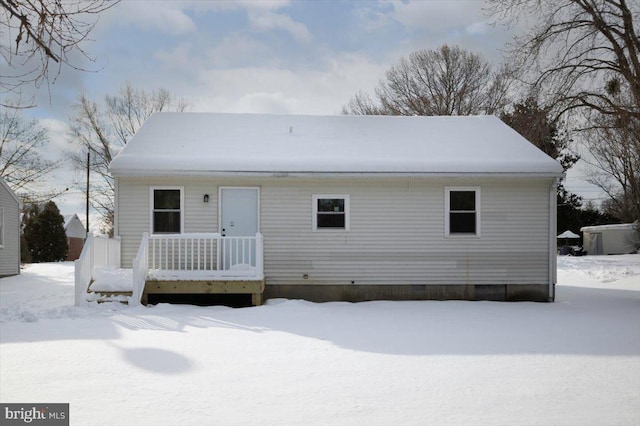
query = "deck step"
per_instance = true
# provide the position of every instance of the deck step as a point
(109, 296)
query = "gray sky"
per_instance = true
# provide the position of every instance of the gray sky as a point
(293, 57)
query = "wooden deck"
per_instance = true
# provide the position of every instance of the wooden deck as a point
(198, 263)
(190, 263)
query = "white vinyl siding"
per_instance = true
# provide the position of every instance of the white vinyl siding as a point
(396, 229)
(134, 204)
(10, 233)
(1, 227)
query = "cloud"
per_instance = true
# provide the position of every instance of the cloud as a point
(174, 18)
(478, 28)
(166, 17)
(237, 49)
(58, 132)
(267, 21)
(435, 16)
(264, 89)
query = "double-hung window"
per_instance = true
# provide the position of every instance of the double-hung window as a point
(167, 210)
(462, 211)
(330, 212)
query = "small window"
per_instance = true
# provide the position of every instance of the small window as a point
(462, 216)
(330, 212)
(167, 210)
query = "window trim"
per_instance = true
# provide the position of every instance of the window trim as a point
(447, 206)
(152, 189)
(347, 214)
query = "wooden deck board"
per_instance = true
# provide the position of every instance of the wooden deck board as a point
(203, 287)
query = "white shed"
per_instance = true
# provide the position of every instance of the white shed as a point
(9, 231)
(611, 239)
(349, 207)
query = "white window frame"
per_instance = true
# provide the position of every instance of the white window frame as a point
(1, 227)
(347, 215)
(152, 189)
(447, 204)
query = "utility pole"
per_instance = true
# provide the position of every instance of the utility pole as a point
(88, 170)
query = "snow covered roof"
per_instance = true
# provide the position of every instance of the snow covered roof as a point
(210, 143)
(68, 218)
(618, 226)
(73, 226)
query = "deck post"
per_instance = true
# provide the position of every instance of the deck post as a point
(256, 299)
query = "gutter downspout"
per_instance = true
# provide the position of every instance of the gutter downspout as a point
(553, 242)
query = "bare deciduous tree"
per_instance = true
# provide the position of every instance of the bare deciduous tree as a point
(579, 50)
(21, 163)
(36, 33)
(446, 81)
(103, 130)
(615, 148)
(585, 55)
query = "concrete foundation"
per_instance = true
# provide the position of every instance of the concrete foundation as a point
(361, 293)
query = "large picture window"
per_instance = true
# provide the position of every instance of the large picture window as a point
(330, 212)
(462, 216)
(167, 211)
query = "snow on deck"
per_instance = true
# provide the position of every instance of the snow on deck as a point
(110, 279)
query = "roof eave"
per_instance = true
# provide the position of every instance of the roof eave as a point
(328, 174)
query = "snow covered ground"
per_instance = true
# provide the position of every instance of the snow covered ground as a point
(290, 362)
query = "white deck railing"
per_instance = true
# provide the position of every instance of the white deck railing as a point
(96, 252)
(198, 256)
(205, 255)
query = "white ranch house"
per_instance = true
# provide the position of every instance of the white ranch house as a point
(336, 208)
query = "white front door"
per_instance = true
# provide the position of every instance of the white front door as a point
(239, 218)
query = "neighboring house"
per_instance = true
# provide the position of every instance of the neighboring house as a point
(76, 235)
(611, 239)
(348, 207)
(9, 231)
